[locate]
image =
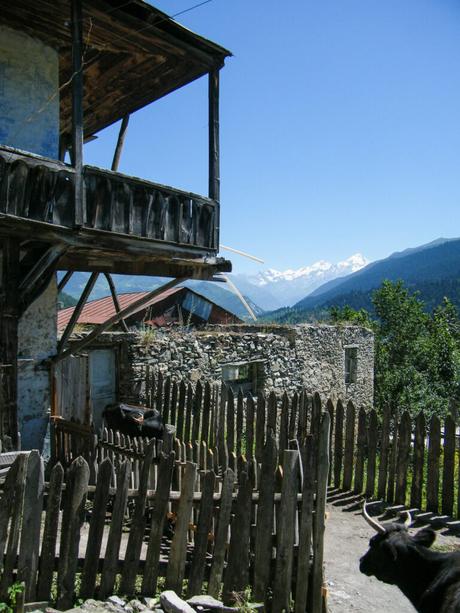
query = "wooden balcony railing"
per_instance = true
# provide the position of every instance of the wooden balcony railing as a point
(41, 189)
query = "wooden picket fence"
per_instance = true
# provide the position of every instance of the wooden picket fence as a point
(238, 522)
(405, 461)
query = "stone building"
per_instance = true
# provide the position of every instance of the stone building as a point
(336, 361)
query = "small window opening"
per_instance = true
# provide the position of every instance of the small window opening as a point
(244, 376)
(351, 365)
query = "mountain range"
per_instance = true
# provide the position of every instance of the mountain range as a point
(432, 269)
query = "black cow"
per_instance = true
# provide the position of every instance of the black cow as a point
(429, 579)
(134, 421)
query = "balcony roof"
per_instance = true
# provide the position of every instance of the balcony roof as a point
(134, 54)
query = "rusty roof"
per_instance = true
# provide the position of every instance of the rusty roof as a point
(98, 311)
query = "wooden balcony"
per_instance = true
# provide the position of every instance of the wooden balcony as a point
(38, 189)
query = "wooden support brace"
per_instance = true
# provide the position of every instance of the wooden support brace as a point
(116, 303)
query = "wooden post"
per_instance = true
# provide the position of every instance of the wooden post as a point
(120, 142)
(214, 154)
(77, 106)
(9, 319)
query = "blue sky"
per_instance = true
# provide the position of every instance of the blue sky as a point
(340, 127)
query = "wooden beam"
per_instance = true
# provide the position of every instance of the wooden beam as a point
(63, 282)
(9, 321)
(120, 142)
(77, 312)
(77, 107)
(116, 304)
(37, 278)
(124, 313)
(214, 147)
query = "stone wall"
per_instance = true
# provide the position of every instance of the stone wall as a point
(37, 340)
(29, 94)
(293, 357)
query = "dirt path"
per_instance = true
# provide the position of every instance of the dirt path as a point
(347, 538)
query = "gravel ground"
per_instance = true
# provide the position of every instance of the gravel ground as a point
(347, 538)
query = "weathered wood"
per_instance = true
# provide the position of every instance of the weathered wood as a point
(317, 579)
(176, 564)
(214, 142)
(316, 409)
(239, 423)
(392, 462)
(264, 525)
(220, 543)
(237, 573)
(338, 444)
(384, 452)
(174, 396)
(306, 527)
(250, 414)
(205, 433)
(260, 426)
(348, 460)
(136, 534)
(49, 539)
(96, 530)
(120, 142)
(166, 400)
(303, 416)
(361, 444)
(372, 438)
(159, 392)
(77, 108)
(285, 533)
(272, 412)
(181, 411)
(284, 424)
(77, 311)
(31, 523)
(201, 537)
(221, 419)
(434, 452)
(197, 404)
(418, 461)
(230, 421)
(73, 517)
(110, 567)
(188, 414)
(402, 465)
(447, 506)
(330, 410)
(16, 497)
(160, 506)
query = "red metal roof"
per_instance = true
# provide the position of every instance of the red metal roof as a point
(98, 311)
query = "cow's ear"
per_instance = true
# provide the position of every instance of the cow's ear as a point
(425, 537)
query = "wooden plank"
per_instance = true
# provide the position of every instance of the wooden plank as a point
(317, 579)
(136, 534)
(176, 564)
(404, 446)
(214, 148)
(434, 452)
(330, 410)
(285, 533)
(77, 109)
(264, 525)
(221, 419)
(201, 537)
(166, 400)
(284, 425)
(181, 411)
(305, 528)
(392, 461)
(315, 423)
(250, 414)
(260, 427)
(31, 524)
(159, 392)
(7, 504)
(188, 415)
(447, 506)
(361, 445)
(348, 460)
(72, 518)
(96, 530)
(120, 142)
(230, 421)
(236, 576)
(197, 407)
(174, 397)
(110, 567)
(338, 444)
(77, 311)
(303, 416)
(384, 453)
(372, 439)
(239, 423)
(160, 507)
(220, 542)
(418, 462)
(205, 434)
(272, 413)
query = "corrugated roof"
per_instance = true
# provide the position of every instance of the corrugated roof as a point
(98, 311)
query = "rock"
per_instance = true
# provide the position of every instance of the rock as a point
(208, 603)
(171, 603)
(151, 603)
(118, 602)
(136, 605)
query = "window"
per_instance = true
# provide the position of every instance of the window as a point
(351, 364)
(244, 376)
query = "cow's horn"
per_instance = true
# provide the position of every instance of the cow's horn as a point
(373, 522)
(408, 520)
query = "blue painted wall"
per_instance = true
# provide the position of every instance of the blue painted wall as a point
(29, 96)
